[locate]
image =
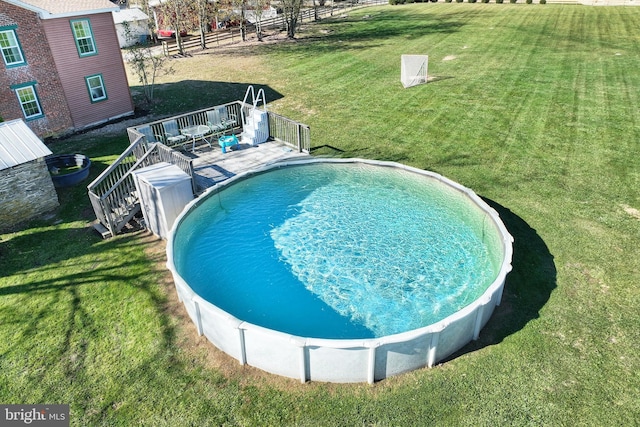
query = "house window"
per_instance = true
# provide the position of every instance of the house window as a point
(11, 51)
(96, 88)
(84, 37)
(29, 102)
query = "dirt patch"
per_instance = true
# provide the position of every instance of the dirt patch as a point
(449, 58)
(269, 37)
(120, 126)
(631, 211)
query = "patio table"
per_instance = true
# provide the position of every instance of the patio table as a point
(195, 133)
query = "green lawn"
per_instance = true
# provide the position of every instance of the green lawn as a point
(533, 107)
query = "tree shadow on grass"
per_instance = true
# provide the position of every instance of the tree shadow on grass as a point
(352, 33)
(360, 35)
(88, 310)
(43, 250)
(528, 286)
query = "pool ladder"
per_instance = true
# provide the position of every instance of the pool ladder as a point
(255, 125)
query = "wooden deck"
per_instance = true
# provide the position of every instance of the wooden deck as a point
(211, 166)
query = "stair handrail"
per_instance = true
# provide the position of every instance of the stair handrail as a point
(251, 91)
(255, 101)
(244, 102)
(138, 144)
(101, 201)
(264, 100)
(135, 166)
(151, 151)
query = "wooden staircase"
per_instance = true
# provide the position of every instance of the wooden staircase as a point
(113, 194)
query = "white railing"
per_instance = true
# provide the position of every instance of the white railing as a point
(113, 193)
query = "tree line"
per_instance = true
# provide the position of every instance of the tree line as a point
(201, 16)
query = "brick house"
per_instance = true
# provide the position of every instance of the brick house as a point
(61, 68)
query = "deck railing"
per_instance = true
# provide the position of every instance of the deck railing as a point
(194, 118)
(289, 132)
(113, 193)
(286, 131)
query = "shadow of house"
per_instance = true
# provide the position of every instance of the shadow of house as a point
(189, 95)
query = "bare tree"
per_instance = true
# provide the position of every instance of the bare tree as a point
(291, 9)
(145, 64)
(204, 11)
(259, 6)
(176, 11)
(150, 21)
(242, 5)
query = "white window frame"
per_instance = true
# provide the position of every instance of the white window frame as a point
(85, 35)
(92, 87)
(14, 47)
(29, 90)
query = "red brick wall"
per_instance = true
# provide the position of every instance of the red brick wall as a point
(39, 68)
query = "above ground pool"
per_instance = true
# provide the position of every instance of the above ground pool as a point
(339, 270)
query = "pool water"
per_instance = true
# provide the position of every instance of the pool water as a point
(337, 250)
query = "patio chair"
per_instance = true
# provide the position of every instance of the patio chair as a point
(215, 120)
(172, 133)
(148, 134)
(221, 115)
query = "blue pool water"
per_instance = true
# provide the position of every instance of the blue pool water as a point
(336, 250)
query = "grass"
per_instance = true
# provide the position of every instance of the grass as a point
(533, 107)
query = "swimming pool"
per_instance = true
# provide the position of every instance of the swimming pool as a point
(339, 270)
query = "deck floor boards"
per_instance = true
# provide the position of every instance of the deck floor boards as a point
(211, 166)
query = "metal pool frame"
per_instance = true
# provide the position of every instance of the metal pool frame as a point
(343, 360)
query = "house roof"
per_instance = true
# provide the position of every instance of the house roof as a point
(18, 144)
(48, 9)
(129, 15)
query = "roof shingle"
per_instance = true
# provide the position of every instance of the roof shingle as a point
(66, 7)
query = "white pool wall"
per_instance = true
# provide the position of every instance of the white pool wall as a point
(339, 360)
